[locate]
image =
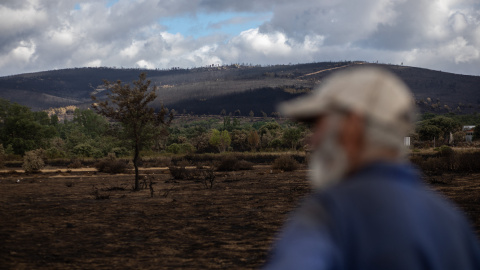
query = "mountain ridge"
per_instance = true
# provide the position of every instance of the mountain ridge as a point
(199, 90)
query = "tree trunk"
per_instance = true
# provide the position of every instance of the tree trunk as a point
(135, 165)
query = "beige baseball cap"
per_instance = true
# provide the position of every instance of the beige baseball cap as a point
(375, 93)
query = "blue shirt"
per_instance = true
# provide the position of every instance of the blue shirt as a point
(383, 217)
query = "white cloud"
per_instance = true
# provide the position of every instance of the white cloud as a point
(145, 64)
(94, 63)
(271, 44)
(40, 35)
(458, 22)
(18, 20)
(131, 50)
(24, 52)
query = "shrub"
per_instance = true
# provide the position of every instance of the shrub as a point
(448, 162)
(178, 172)
(227, 163)
(275, 144)
(231, 163)
(183, 148)
(445, 151)
(186, 148)
(173, 148)
(285, 163)
(120, 151)
(244, 165)
(182, 163)
(97, 153)
(33, 161)
(75, 164)
(2, 156)
(434, 166)
(157, 162)
(207, 176)
(111, 164)
(54, 152)
(83, 150)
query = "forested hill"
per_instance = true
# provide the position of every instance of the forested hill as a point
(233, 88)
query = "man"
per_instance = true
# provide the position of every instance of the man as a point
(370, 210)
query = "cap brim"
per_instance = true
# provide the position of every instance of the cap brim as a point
(306, 108)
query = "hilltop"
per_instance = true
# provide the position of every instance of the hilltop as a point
(233, 88)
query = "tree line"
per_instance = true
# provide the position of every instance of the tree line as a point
(91, 135)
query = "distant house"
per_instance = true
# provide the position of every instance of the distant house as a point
(468, 132)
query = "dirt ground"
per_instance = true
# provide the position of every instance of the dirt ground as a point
(88, 220)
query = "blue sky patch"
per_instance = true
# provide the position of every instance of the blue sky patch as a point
(204, 24)
(111, 3)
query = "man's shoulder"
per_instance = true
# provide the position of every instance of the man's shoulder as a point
(384, 190)
(375, 180)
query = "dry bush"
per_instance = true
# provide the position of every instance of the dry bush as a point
(466, 162)
(445, 151)
(207, 176)
(434, 165)
(285, 163)
(178, 172)
(448, 161)
(244, 165)
(440, 180)
(75, 164)
(69, 183)
(33, 161)
(112, 165)
(162, 161)
(157, 162)
(183, 163)
(227, 163)
(231, 163)
(97, 195)
(2, 156)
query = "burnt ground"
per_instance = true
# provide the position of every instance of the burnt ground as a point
(87, 220)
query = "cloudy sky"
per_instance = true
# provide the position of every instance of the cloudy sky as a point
(37, 35)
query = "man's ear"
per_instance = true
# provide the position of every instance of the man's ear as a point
(352, 135)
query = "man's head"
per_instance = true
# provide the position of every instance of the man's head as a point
(359, 116)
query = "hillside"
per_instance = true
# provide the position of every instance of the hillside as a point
(209, 90)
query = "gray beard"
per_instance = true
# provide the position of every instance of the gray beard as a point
(328, 163)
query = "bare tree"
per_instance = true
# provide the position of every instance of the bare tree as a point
(129, 105)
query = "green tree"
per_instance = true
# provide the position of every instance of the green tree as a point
(428, 132)
(291, 137)
(130, 106)
(220, 140)
(459, 137)
(253, 139)
(90, 123)
(445, 124)
(239, 140)
(83, 150)
(23, 129)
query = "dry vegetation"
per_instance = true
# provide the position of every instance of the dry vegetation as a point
(87, 219)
